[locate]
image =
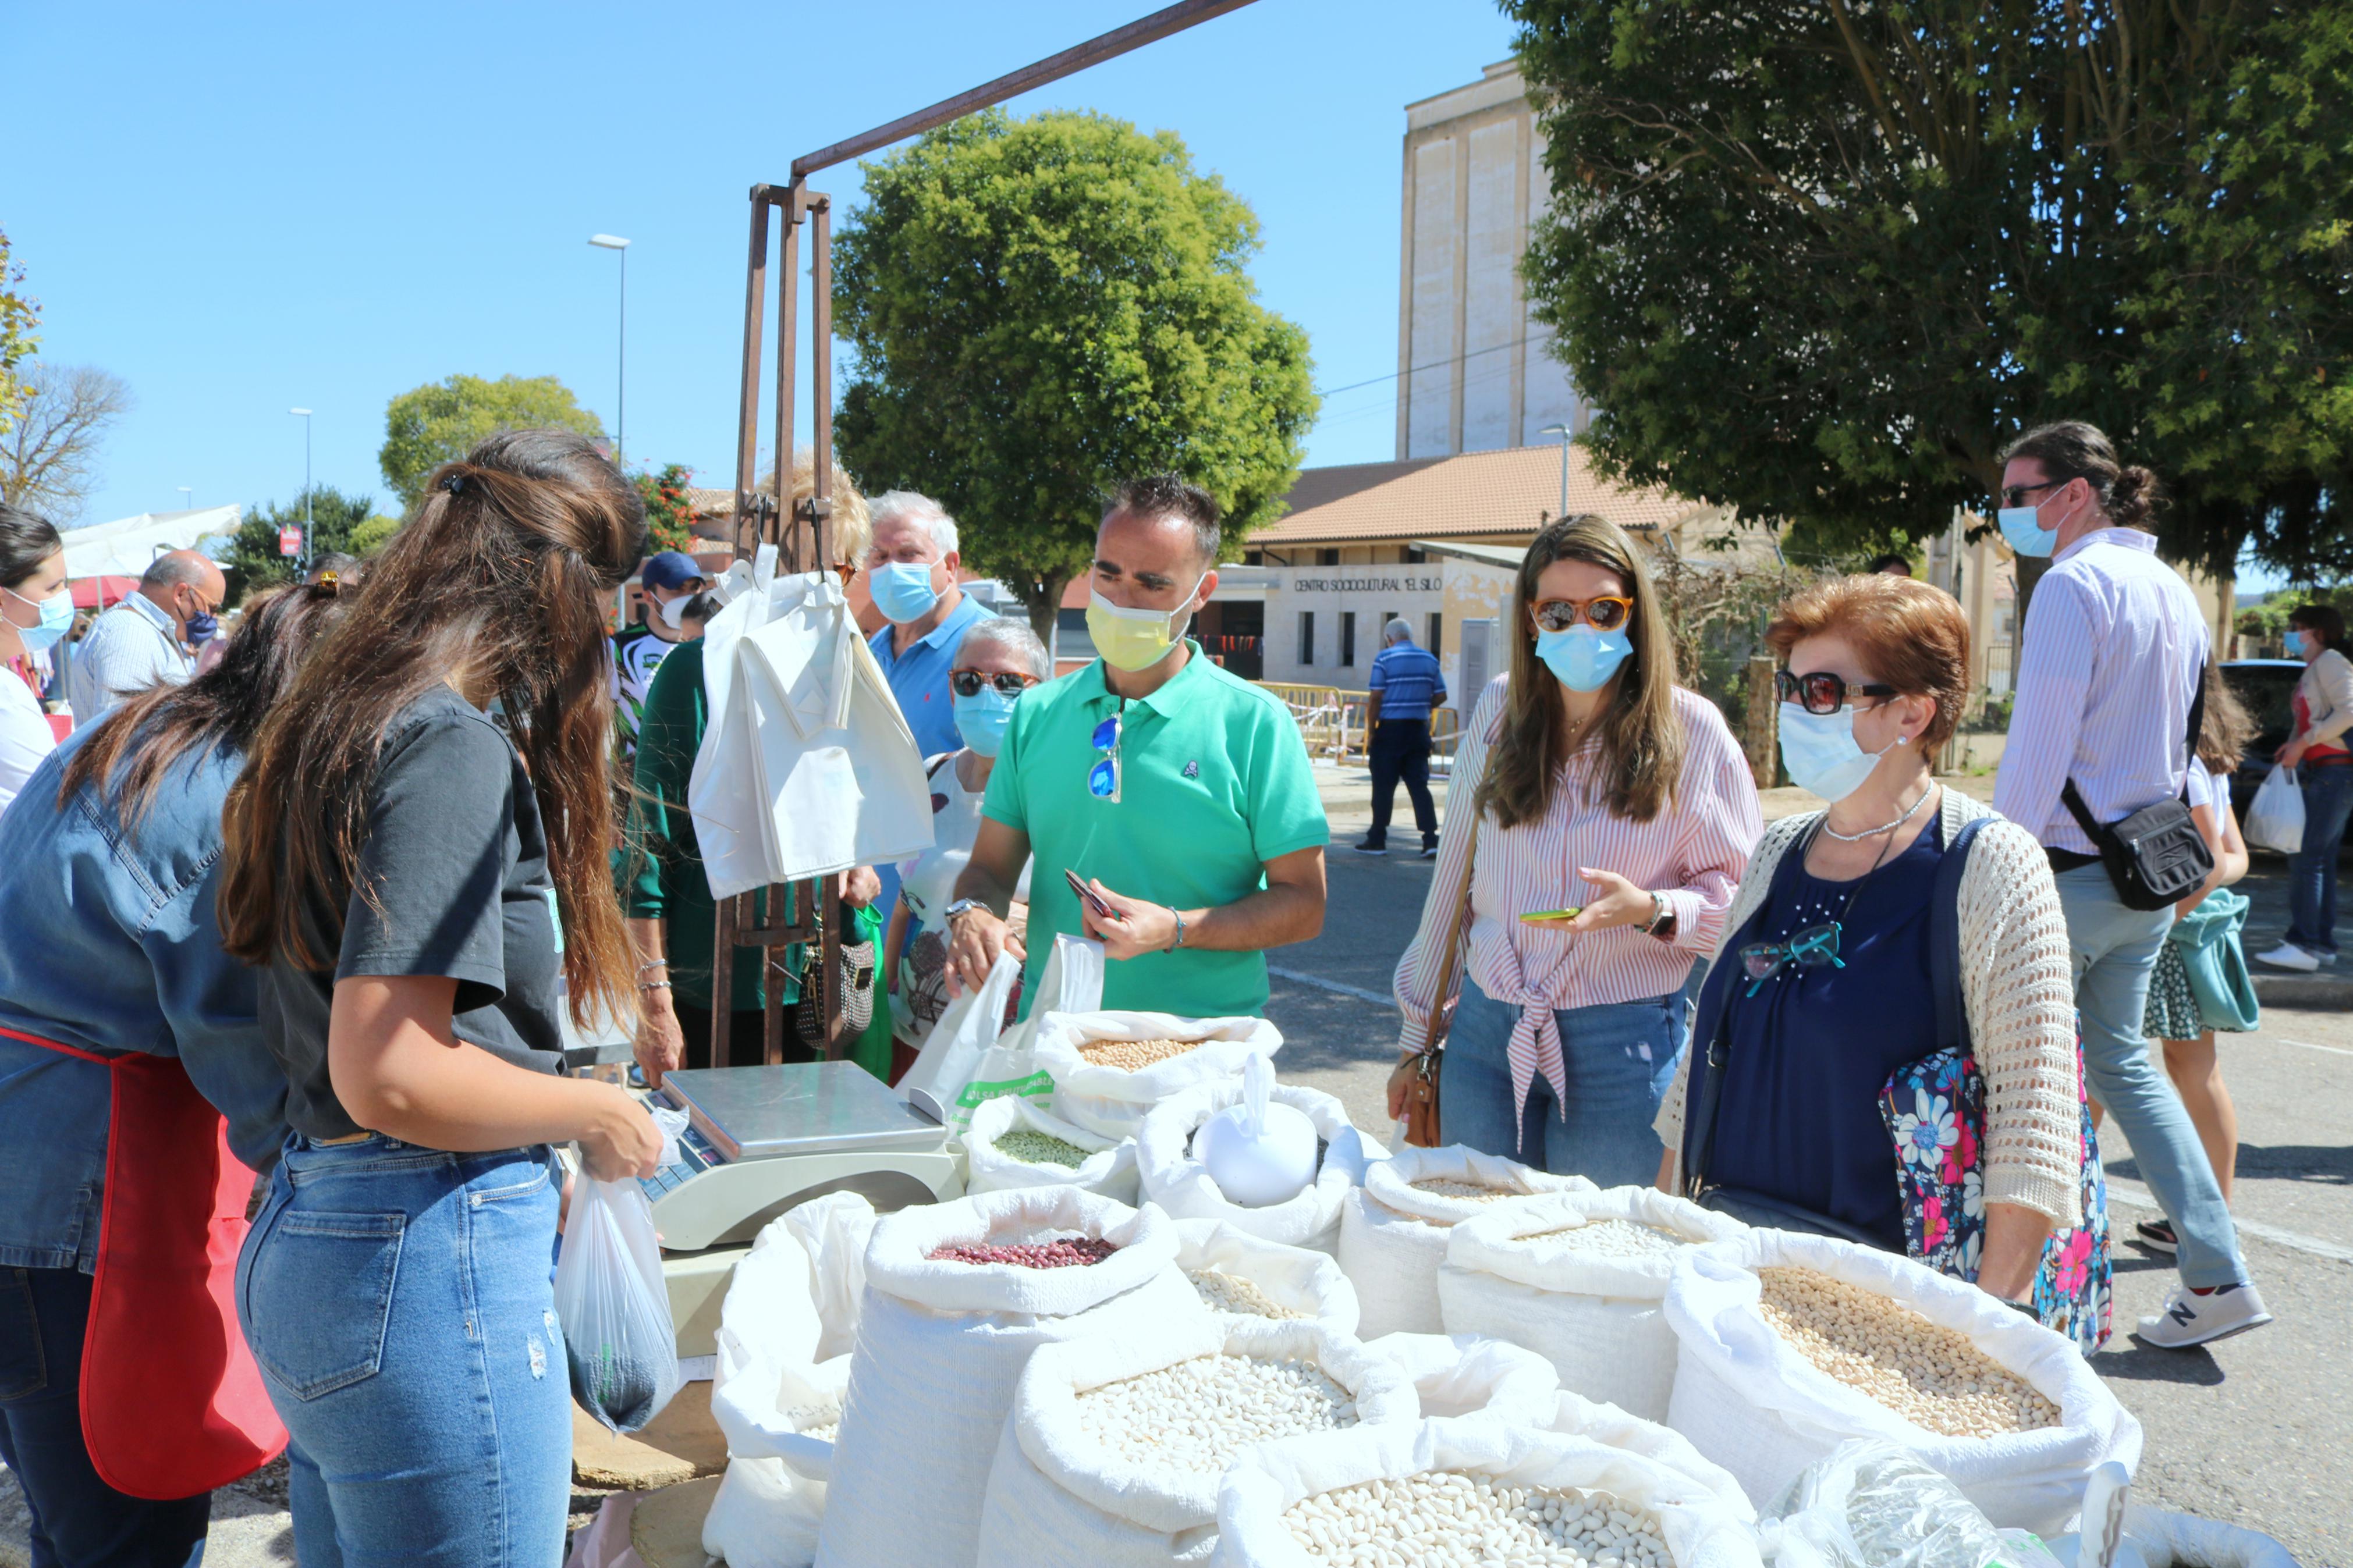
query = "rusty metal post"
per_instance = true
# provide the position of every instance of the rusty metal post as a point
(824, 912)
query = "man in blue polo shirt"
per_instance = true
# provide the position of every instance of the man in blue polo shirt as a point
(1181, 796)
(1406, 683)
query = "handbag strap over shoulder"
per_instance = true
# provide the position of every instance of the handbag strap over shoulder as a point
(1945, 941)
(2097, 832)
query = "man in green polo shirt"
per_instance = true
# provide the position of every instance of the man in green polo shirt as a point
(1182, 795)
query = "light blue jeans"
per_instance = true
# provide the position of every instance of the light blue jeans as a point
(2115, 950)
(1618, 1060)
(398, 1301)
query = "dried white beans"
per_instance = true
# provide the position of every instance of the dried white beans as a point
(1197, 1414)
(1223, 1292)
(1444, 1518)
(1613, 1239)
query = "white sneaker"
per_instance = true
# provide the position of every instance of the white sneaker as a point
(2287, 955)
(2193, 1320)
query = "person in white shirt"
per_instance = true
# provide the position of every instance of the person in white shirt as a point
(149, 638)
(2321, 752)
(2114, 650)
(998, 659)
(35, 610)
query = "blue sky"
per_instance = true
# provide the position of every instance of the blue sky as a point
(240, 209)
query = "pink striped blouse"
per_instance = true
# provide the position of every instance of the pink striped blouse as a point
(1692, 852)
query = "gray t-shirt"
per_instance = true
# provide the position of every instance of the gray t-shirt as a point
(456, 863)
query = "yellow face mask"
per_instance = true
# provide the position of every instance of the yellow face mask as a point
(1136, 639)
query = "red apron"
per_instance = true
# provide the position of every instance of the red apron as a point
(172, 1404)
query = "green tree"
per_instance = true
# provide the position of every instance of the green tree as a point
(251, 560)
(1042, 307)
(372, 535)
(1884, 239)
(443, 420)
(20, 313)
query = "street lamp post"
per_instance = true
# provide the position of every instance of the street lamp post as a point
(621, 374)
(1564, 432)
(188, 495)
(304, 559)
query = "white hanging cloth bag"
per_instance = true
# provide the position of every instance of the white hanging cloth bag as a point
(1521, 1274)
(1470, 1375)
(1393, 1230)
(1297, 1281)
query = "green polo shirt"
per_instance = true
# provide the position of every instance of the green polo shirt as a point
(1215, 781)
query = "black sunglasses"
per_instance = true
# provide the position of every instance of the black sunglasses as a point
(2015, 495)
(1823, 692)
(967, 682)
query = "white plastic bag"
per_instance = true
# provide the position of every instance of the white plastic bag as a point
(1113, 1101)
(942, 1343)
(1763, 1412)
(1469, 1375)
(1870, 1504)
(1108, 1168)
(1595, 1316)
(619, 1345)
(1268, 1480)
(971, 1056)
(1175, 1180)
(1296, 1278)
(1393, 1233)
(834, 1230)
(2275, 816)
(1058, 1498)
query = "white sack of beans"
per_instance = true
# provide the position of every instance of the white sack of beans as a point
(1577, 1416)
(1105, 1166)
(1579, 1278)
(1399, 1487)
(1755, 1404)
(1471, 1374)
(1111, 1099)
(1112, 1455)
(1393, 1229)
(941, 1344)
(1178, 1183)
(1235, 1272)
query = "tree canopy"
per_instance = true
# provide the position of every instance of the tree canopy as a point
(444, 420)
(48, 450)
(1043, 307)
(20, 314)
(251, 560)
(1824, 260)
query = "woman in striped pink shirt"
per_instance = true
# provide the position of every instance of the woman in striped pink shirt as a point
(1588, 780)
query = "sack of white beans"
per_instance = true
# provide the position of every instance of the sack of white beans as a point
(763, 1516)
(1110, 1068)
(1788, 1345)
(1112, 1455)
(1579, 1277)
(1178, 1183)
(942, 1341)
(1013, 1143)
(1581, 1418)
(1471, 1374)
(1248, 1277)
(1393, 1229)
(1468, 1491)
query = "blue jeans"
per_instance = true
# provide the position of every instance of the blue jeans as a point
(2115, 950)
(78, 1522)
(2312, 870)
(1618, 1059)
(398, 1301)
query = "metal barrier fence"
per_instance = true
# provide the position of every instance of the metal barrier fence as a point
(1331, 721)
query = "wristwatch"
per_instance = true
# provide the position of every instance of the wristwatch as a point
(1661, 912)
(959, 906)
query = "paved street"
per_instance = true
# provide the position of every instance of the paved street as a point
(2257, 1430)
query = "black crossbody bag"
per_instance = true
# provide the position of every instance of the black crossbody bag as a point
(2156, 856)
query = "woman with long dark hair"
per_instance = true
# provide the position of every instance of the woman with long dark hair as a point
(117, 1009)
(35, 610)
(1593, 792)
(417, 878)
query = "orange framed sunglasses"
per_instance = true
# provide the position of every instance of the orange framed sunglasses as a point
(1604, 613)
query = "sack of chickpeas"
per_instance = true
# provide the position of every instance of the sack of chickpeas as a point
(1248, 1277)
(1393, 1229)
(1470, 1375)
(1470, 1490)
(958, 1295)
(1171, 1177)
(1013, 1144)
(1110, 1068)
(1788, 1345)
(1580, 1277)
(1603, 1423)
(1112, 1455)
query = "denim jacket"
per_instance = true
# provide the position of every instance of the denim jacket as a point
(108, 943)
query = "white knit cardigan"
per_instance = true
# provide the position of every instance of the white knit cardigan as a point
(2017, 986)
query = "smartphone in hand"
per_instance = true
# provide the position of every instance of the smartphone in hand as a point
(1093, 900)
(1540, 916)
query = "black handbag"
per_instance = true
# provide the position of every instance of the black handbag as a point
(2156, 856)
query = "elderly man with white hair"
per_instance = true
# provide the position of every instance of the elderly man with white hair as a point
(150, 638)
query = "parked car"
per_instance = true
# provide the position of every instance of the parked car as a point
(2265, 688)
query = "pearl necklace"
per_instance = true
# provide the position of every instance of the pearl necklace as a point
(1883, 827)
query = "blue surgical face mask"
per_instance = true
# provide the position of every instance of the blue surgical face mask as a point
(1822, 752)
(981, 719)
(2295, 645)
(1582, 657)
(57, 619)
(2022, 526)
(202, 628)
(902, 590)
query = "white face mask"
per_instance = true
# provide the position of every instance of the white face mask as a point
(1822, 753)
(673, 611)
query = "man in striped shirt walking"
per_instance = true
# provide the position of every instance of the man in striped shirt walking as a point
(2115, 650)
(1406, 684)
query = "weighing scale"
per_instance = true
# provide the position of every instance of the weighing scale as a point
(762, 1140)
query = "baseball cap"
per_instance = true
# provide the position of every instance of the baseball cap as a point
(669, 569)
